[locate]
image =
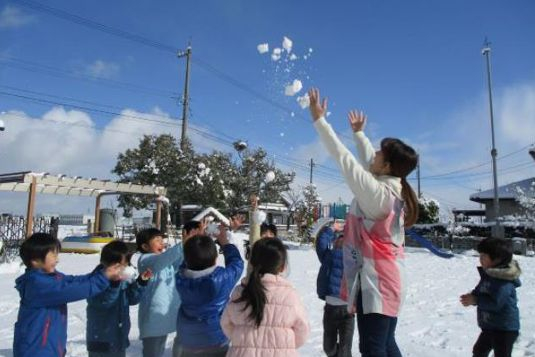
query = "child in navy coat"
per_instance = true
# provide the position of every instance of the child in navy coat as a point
(108, 313)
(338, 324)
(41, 327)
(495, 298)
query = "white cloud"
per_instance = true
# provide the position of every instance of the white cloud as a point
(13, 17)
(69, 142)
(102, 69)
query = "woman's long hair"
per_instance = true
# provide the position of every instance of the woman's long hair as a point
(267, 257)
(403, 160)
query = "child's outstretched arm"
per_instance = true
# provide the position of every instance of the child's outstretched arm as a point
(157, 262)
(372, 195)
(51, 292)
(365, 150)
(233, 260)
(135, 290)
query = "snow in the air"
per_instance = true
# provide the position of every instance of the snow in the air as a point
(287, 44)
(293, 88)
(263, 48)
(304, 101)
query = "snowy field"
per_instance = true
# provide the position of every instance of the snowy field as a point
(433, 322)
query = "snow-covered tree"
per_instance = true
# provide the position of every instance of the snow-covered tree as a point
(429, 211)
(304, 211)
(526, 199)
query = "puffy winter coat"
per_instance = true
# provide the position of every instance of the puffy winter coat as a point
(282, 331)
(159, 304)
(496, 298)
(331, 271)
(108, 317)
(41, 327)
(374, 236)
(204, 295)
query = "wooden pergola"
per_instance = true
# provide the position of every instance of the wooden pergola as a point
(34, 183)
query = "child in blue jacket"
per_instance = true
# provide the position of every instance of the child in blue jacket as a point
(41, 327)
(205, 289)
(495, 298)
(338, 324)
(108, 313)
(159, 304)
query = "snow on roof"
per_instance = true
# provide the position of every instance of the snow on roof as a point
(507, 192)
(213, 211)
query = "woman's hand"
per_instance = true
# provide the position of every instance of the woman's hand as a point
(317, 110)
(357, 120)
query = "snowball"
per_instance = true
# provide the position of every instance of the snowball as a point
(293, 57)
(262, 48)
(277, 51)
(304, 101)
(276, 55)
(287, 44)
(259, 217)
(270, 176)
(294, 88)
(201, 166)
(128, 274)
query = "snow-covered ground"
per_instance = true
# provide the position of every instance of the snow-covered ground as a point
(433, 322)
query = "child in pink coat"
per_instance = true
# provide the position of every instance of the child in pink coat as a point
(265, 317)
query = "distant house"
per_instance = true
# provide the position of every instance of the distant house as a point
(507, 198)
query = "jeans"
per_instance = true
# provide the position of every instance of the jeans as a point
(155, 346)
(338, 328)
(376, 333)
(106, 354)
(499, 341)
(215, 352)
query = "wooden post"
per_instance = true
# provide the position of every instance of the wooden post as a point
(158, 213)
(31, 207)
(97, 214)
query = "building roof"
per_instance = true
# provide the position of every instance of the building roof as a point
(507, 192)
(72, 186)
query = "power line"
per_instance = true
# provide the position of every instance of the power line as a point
(34, 67)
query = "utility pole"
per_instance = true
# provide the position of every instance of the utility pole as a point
(312, 164)
(185, 103)
(497, 230)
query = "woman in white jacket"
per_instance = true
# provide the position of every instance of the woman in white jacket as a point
(383, 204)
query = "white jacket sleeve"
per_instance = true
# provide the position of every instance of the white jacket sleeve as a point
(374, 197)
(365, 149)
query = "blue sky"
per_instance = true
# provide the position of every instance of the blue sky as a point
(415, 67)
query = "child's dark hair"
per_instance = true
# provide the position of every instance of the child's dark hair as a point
(191, 225)
(499, 250)
(37, 247)
(269, 256)
(403, 160)
(200, 252)
(115, 252)
(265, 227)
(144, 237)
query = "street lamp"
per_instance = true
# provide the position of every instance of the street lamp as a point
(497, 231)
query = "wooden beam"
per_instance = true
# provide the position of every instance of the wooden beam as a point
(31, 207)
(158, 214)
(97, 214)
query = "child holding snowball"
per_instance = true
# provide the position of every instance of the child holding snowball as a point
(108, 313)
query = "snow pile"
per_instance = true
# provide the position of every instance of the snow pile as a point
(293, 88)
